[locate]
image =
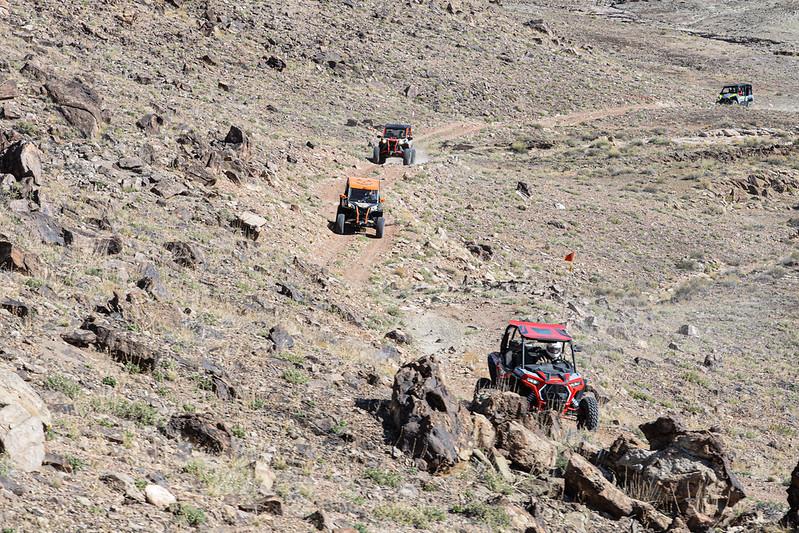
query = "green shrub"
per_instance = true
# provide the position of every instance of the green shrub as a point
(138, 412)
(193, 516)
(420, 517)
(63, 384)
(519, 146)
(494, 517)
(384, 478)
(295, 377)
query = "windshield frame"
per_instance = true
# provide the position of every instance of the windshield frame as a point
(395, 133)
(563, 354)
(361, 196)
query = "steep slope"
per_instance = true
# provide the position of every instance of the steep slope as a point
(185, 116)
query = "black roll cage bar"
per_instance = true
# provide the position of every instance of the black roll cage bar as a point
(510, 334)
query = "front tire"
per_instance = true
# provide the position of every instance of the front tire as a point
(380, 224)
(340, 223)
(482, 383)
(406, 156)
(588, 414)
(376, 155)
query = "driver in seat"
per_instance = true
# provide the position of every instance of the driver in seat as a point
(554, 350)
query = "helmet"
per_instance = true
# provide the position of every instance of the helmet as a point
(554, 349)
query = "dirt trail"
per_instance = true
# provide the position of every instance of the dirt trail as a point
(349, 256)
(573, 119)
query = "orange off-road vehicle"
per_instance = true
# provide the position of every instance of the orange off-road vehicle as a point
(361, 206)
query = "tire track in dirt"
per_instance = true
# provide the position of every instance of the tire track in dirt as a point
(579, 117)
(352, 259)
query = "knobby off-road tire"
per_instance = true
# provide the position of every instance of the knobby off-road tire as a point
(340, 223)
(406, 156)
(380, 225)
(413, 156)
(588, 414)
(376, 156)
(482, 383)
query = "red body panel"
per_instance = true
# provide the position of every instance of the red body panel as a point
(535, 382)
(392, 148)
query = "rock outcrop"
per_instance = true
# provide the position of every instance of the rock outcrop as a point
(23, 417)
(526, 449)
(15, 259)
(431, 424)
(687, 471)
(791, 518)
(80, 105)
(123, 346)
(200, 429)
(586, 483)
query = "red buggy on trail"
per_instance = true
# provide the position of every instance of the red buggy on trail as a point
(396, 141)
(532, 362)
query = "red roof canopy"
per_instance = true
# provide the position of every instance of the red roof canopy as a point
(542, 332)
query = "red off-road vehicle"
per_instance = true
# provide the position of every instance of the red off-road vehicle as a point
(396, 141)
(532, 362)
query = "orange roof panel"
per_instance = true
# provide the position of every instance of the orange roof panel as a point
(369, 184)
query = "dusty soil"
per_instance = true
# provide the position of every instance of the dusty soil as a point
(605, 112)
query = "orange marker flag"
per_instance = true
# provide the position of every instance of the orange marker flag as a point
(570, 259)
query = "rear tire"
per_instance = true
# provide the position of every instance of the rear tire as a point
(376, 155)
(340, 224)
(380, 224)
(588, 414)
(406, 156)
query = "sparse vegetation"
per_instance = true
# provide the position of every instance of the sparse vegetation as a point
(295, 376)
(222, 479)
(420, 517)
(63, 384)
(491, 515)
(138, 412)
(193, 516)
(137, 230)
(384, 478)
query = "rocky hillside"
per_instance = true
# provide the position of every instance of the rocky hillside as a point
(187, 344)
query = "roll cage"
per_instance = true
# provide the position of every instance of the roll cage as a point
(397, 131)
(517, 332)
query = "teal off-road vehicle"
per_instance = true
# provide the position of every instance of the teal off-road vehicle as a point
(736, 93)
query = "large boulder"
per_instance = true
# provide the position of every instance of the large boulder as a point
(686, 469)
(526, 449)
(23, 416)
(201, 430)
(431, 425)
(791, 518)
(79, 103)
(123, 346)
(8, 88)
(22, 160)
(15, 259)
(585, 482)
(499, 406)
